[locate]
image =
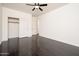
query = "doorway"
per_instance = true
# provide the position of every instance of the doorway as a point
(13, 35)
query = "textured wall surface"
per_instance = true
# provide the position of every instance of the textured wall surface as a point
(0, 23)
(25, 23)
(61, 24)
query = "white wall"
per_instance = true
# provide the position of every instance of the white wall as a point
(25, 29)
(34, 25)
(61, 24)
(0, 23)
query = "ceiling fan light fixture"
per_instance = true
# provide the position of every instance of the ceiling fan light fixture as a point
(36, 7)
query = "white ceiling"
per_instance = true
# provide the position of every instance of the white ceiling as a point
(28, 9)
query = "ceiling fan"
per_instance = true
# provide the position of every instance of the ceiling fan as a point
(37, 6)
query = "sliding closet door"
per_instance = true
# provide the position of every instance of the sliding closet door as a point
(13, 35)
(13, 30)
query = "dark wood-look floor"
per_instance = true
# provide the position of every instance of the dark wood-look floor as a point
(50, 47)
(17, 47)
(37, 46)
(0, 48)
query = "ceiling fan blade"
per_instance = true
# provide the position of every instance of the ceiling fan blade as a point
(33, 9)
(40, 9)
(43, 5)
(30, 4)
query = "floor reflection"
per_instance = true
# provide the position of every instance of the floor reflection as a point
(16, 47)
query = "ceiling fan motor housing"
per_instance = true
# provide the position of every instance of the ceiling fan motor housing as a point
(37, 6)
